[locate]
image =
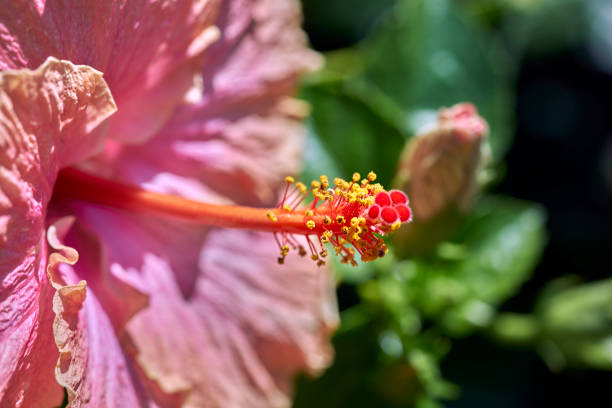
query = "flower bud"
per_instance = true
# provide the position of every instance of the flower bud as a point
(440, 165)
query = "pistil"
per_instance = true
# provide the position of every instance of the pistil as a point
(350, 214)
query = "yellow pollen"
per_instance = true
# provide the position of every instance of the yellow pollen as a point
(356, 177)
(289, 179)
(301, 186)
(372, 176)
(345, 230)
(271, 216)
(354, 222)
(396, 225)
(286, 207)
(310, 224)
(327, 220)
(315, 184)
(314, 257)
(309, 213)
(340, 219)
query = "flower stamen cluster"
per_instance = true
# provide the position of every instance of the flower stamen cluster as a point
(352, 217)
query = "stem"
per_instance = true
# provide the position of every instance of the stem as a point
(75, 184)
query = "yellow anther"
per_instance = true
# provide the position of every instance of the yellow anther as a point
(289, 179)
(362, 221)
(355, 237)
(356, 177)
(395, 225)
(285, 250)
(364, 182)
(324, 239)
(314, 257)
(308, 213)
(310, 224)
(371, 176)
(327, 220)
(340, 219)
(345, 230)
(271, 216)
(286, 207)
(324, 181)
(323, 254)
(339, 182)
(315, 184)
(354, 222)
(338, 249)
(301, 186)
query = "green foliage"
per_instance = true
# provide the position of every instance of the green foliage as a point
(571, 325)
(366, 104)
(491, 255)
(428, 55)
(349, 130)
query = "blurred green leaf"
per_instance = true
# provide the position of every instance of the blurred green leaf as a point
(355, 137)
(491, 255)
(578, 322)
(330, 24)
(375, 366)
(361, 375)
(569, 327)
(428, 55)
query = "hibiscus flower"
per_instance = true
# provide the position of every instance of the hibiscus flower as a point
(156, 312)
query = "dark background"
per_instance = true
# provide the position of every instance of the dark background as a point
(561, 157)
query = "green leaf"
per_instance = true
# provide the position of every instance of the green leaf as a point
(354, 136)
(491, 255)
(428, 55)
(578, 323)
(569, 327)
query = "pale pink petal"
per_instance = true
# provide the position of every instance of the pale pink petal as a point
(226, 325)
(243, 137)
(252, 324)
(148, 50)
(45, 117)
(262, 51)
(91, 365)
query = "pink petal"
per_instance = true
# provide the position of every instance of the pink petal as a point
(148, 50)
(226, 325)
(45, 117)
(244, 136)
(91, 364)
(248, 329)
(262, 50)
